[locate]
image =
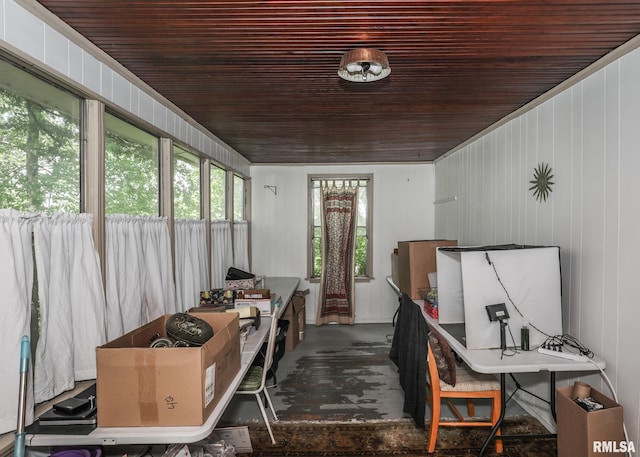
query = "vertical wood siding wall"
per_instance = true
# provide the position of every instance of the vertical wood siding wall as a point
(590, 137)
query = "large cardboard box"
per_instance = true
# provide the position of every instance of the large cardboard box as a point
(416, 259)
(142, 386)
(295, 313)
(578, 429)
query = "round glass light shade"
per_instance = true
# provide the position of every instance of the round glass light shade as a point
(364, 65)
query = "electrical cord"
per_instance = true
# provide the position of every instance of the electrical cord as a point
(558, 341)
(615, 397)
(514, 349)
(486, 255)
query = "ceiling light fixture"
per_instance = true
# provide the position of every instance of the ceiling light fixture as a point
(364, 65)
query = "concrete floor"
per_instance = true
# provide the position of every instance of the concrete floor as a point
(338, 373)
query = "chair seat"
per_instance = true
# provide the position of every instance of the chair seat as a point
(470, 381)
(252, 380)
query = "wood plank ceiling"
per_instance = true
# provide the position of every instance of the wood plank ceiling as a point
(262, 75)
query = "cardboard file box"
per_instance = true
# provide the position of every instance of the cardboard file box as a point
(142, 386)
(579, 429)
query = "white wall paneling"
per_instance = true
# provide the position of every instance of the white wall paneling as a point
(589, 134)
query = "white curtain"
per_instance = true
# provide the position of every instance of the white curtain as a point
(140, 284)
(72, 304)
(221, 252)
(16, 282)
(191, 263)
(241, 245)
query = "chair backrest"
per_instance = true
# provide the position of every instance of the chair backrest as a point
(271, 346)
(432, 372)
(443, 358)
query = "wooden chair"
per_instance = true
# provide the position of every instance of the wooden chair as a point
(254, 382)
(468, 385)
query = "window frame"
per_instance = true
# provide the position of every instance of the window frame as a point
(311, 178)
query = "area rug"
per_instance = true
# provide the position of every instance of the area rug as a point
(392, 438)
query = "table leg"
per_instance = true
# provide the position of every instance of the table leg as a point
(552, 394)
(503, 407)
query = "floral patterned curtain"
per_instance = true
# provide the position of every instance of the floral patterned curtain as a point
(336, 300)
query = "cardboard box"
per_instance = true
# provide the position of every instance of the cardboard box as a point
(142, 386)
(253, 294)
(265, 305)
(579, 429)
(416, 259)
(248, 312)
(295, 313)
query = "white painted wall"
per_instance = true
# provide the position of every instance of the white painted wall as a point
(403, 210)
(590, 136)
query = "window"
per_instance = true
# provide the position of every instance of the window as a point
(39, 153)
(131, 169)
(186, 184)
(39, 144)
(218, 193)
(238, 198)
(42, 133)
(363, 255)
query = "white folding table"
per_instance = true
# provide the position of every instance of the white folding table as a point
(283, 287)
(491, 361)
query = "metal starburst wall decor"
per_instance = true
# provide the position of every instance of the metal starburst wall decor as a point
(541, 182)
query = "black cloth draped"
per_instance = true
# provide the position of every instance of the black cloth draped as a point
(409, 353)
